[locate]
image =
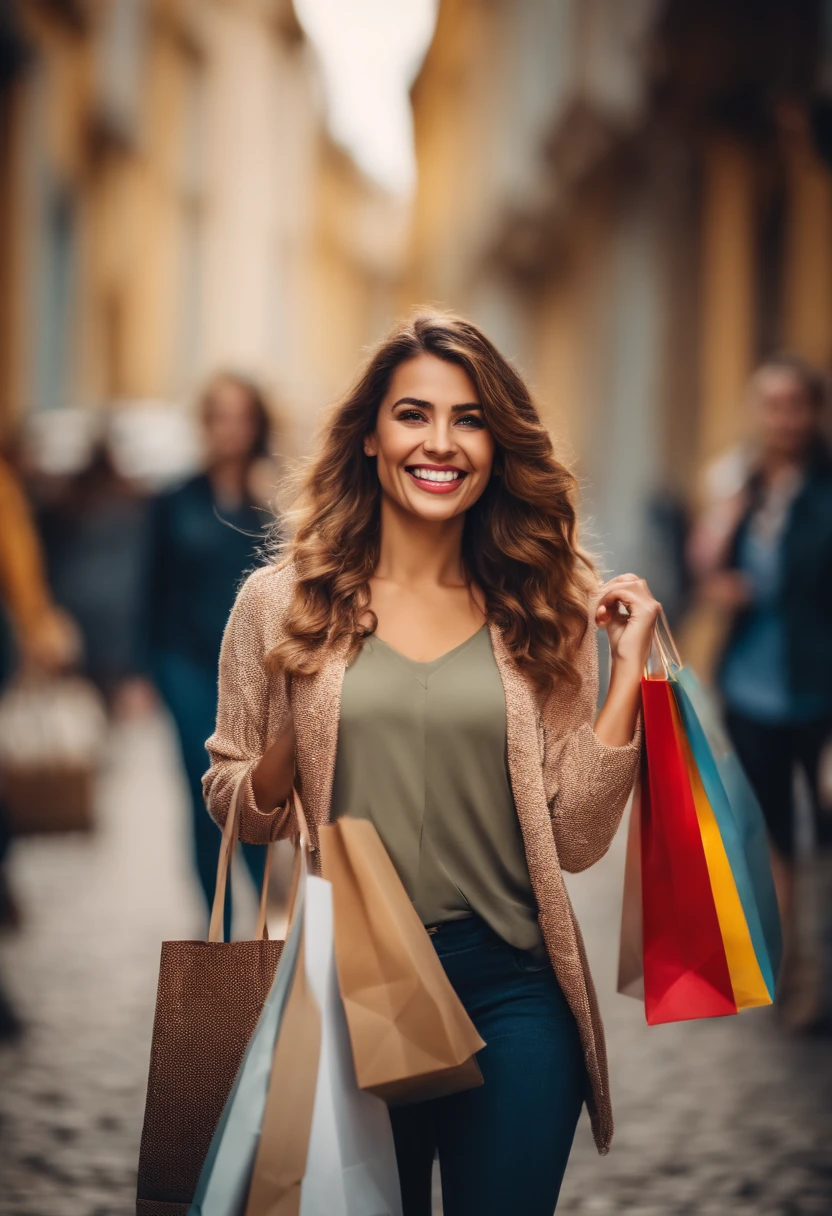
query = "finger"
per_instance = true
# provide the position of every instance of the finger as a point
(634, 599)
(626, 593)
(617, 584)
(622, 578)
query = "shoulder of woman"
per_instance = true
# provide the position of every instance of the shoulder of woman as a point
(268, 592)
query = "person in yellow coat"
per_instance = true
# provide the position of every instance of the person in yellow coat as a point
(45, 636)
(45, 639)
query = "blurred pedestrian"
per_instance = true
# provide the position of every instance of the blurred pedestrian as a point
(44, 639)
(764, 556)
(92, 530)
(427, 655)
(202, 538)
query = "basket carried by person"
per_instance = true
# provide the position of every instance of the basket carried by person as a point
(52, 731)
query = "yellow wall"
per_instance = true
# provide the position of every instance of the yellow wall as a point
(228, 232)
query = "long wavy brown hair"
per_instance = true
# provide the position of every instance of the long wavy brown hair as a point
(519, 541)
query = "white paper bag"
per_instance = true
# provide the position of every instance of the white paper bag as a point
(351, 1167)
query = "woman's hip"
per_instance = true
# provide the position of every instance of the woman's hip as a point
(503, 989)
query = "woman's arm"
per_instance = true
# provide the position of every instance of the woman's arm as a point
(239, 748)
(590, 758)
(273, 776)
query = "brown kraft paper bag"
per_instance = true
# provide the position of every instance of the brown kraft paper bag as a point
(411, 1037)
(209, 998)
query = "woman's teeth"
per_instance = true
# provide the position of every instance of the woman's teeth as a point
(436, 474)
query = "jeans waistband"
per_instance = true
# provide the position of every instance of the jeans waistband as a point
(467, 931)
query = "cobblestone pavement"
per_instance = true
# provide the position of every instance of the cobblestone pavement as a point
(713, 1118)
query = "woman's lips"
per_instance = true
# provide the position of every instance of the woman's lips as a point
(438, 487)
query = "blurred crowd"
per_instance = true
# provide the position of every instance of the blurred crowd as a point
(129, 585)
(105, 579)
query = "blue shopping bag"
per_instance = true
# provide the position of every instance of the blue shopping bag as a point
(739, 818)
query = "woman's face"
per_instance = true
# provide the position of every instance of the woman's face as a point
(787, 418)
(229, 426)
(434, 451)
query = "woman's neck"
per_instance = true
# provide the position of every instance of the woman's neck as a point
(415, 550)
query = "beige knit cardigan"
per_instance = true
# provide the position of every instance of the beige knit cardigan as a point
(569, 788)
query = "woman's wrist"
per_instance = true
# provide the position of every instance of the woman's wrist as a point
(616, 722)
(626, 674)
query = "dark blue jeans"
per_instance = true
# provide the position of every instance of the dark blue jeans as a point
(503, 1147)
(189, 689)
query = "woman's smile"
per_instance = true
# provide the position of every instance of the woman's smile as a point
(433, 447)
(436, 478)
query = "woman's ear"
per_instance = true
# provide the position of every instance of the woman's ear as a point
(370, 445)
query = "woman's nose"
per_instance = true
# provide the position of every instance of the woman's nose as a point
(440, 441)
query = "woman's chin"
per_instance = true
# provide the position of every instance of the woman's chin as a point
(423, 506)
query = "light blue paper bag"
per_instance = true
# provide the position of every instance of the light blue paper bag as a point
(226, 1173)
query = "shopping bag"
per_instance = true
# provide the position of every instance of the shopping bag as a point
(350, 1166)
(209, 1000)
(747, 982)
(631, 949)
(52, 734)
(411, 1037)
(227, 1171)
(685, 969)
(732, 835)
(738, 817)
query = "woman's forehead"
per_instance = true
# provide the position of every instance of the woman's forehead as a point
(432, 379)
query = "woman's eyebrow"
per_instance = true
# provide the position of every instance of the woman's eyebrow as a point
(428, 405)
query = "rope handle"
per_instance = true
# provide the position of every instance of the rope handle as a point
(665, 648)
(228, 844)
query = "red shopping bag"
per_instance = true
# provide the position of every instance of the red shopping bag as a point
(685, 971)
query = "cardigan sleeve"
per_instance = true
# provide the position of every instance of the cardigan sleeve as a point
(249, 699)
(587, 783)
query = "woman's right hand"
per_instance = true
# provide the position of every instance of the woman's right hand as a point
(273, 776)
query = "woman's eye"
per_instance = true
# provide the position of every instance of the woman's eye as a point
(410, 416)
(471, 421)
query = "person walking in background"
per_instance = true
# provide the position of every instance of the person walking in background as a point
(92, 536)
(44, 639)
(426, 652)
(202, 538)
(764, 556)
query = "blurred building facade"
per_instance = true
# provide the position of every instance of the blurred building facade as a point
(629, 198)
(171, 203)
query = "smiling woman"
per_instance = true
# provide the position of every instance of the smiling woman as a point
(423, 655)
(438, 393)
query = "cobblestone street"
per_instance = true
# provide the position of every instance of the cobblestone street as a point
(713, 1118)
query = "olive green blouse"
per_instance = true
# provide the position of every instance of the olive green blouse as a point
(422, 754)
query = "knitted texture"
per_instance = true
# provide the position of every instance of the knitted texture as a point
(569, 789)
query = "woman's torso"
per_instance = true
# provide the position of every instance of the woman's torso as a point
(422, 753)
(777, 666)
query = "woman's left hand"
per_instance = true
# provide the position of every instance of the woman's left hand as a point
(631, 634)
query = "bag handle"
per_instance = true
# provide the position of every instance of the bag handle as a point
(228, 844)
(665, 648)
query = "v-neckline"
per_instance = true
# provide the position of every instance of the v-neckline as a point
(429, 664)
